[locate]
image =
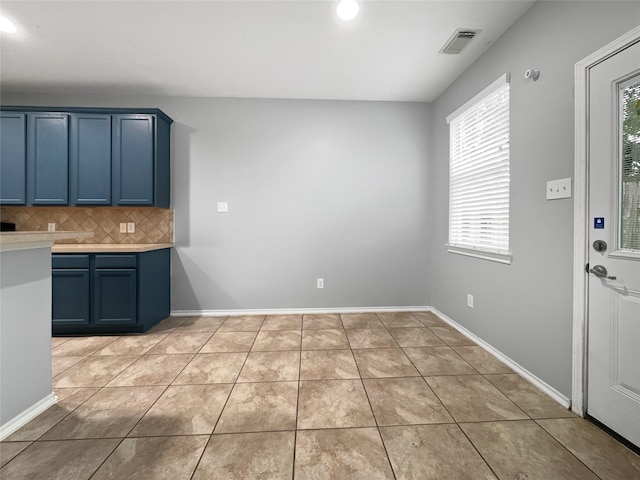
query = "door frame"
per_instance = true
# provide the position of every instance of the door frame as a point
(581, 210)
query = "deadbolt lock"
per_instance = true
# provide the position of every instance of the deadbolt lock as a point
(599, 245)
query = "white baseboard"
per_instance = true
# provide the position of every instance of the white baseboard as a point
(542, 385)
(295, 311)
(27, 415)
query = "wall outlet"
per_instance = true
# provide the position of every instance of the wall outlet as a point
(320, 283)
(123, 228)
(469, 300)
(131, 227)
(223, 207)
(51, 227)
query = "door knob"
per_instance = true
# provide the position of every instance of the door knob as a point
(600, 271)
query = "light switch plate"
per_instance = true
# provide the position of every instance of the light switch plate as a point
(131, 227)
(223, 207)
(557, 189)
(123, 228)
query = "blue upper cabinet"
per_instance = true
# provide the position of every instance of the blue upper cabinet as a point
(47, 158)
(140, 160)
(85, 156)
(133, 159)
(13, 158)
(162, 171)
(90, 159)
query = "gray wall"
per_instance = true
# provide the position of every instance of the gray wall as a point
(315, 189)
(525, 309)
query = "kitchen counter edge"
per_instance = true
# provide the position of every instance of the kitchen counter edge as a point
(109, 247)
(26, 240)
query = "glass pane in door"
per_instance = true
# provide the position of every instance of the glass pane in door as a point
(630, 167)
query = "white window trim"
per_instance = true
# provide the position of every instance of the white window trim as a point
(499, 257)
(484, 254)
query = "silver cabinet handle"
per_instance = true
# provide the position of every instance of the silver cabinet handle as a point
(600, 271)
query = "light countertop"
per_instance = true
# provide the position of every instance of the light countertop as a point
(108, 247)
(27, 240)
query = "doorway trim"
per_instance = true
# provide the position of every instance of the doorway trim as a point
(580, 212)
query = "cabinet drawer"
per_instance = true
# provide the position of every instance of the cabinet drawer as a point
(70, 261)
(116, 261)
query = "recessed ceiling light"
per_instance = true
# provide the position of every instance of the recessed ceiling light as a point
(347, 9)
(7, 25)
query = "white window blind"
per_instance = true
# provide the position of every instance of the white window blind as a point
(479, 175)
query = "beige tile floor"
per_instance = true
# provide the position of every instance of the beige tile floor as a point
(357, 396)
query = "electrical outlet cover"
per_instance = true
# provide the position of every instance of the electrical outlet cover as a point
(557, 189)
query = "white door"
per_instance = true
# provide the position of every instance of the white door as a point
(613, 390)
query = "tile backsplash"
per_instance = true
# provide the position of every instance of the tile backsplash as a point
(152, 225)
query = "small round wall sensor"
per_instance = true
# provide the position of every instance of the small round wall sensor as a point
(532, 73)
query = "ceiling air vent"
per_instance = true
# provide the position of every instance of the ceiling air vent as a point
(459, 40)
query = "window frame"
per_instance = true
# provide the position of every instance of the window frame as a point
(491, 254)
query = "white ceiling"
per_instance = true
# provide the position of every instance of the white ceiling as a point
(258, 49)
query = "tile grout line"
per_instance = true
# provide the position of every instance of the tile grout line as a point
(235, 382)
(98, 389)
(476, 449)
(136, 423)
(153, 403)
(373, 413)
(566, 448)
(39, 439)
(451, 415)
(295, 431)
(106, 458)
(569, 413)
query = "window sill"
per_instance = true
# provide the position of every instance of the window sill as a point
(625, 254)
(504, 258)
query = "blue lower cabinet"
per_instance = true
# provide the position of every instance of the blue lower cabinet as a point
(115, 297)
(70, 297)
(115, 293)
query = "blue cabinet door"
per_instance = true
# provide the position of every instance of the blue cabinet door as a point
(70, 297)
(90, 159)
(13, 158)
(133, 159)
(47, 158)
(115, 297)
